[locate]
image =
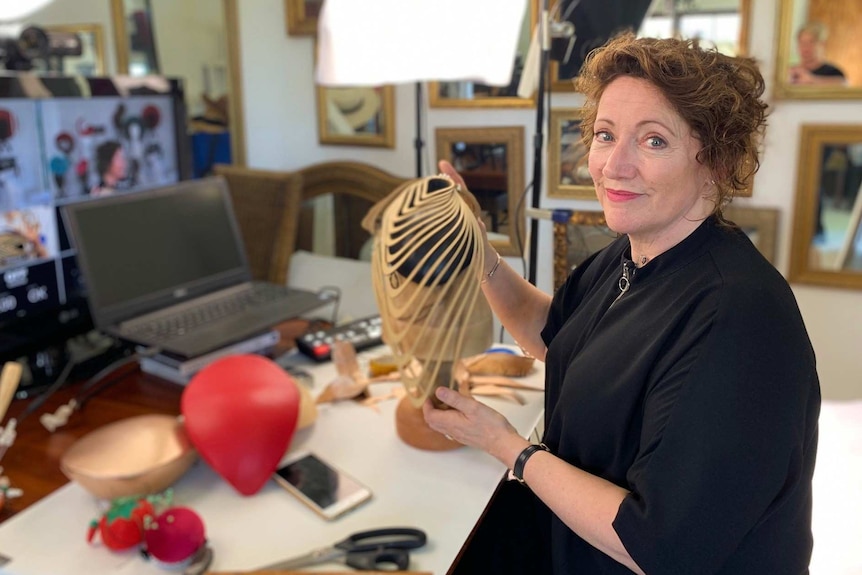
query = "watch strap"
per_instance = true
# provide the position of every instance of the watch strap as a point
(521, 461)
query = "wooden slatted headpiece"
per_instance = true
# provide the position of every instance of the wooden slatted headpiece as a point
(427, 263)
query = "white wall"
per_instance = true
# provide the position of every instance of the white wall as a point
(189, 37)
(282, 133)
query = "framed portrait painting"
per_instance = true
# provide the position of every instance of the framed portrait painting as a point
(568, 173)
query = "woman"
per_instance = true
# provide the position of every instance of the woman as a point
(812, 69)
(681, 392)
(111, 166)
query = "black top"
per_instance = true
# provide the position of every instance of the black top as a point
(696, 390)
(827, 70)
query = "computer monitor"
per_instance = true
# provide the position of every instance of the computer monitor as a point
(94, 136)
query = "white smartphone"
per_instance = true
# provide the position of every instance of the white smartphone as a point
(323, 487)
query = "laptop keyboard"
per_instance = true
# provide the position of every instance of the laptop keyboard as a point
(181, 323)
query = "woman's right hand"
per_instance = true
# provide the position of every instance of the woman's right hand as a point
(448, 169)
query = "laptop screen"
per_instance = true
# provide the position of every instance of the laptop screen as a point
(147, 250)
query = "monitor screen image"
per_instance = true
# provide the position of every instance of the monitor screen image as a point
(71, 148)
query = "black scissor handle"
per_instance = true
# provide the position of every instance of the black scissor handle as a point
(390, 537)
(381, 559)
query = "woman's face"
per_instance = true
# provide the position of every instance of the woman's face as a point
(643, 162)
(808, 46)
(117, 168)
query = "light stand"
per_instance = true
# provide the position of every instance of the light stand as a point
(538, 139)
(560, 30)
(418, 143)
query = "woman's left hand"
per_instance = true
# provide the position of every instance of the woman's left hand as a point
(799, 75)
(473, 423)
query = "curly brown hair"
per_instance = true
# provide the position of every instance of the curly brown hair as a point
(719, 96)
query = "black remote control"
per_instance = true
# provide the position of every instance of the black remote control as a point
(362, 333)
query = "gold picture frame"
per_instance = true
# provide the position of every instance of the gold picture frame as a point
(585, 233)
(92, 61)
(827, 221)
(356, 116)
(568, 175)
(301, 16)
(761, 226)
(231, 45)
(491, 161)
(843, 21)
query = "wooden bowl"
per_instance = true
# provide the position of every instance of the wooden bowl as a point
(139, 455)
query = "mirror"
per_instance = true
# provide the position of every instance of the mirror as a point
(813, 33)
(91, 62)
(719, 23)
(491, 161)
(476, 95)
(146, 32)
(827, 230)
(568, 173)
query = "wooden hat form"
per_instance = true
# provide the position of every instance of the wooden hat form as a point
(427, 262)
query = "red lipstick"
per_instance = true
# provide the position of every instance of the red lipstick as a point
(620, 195)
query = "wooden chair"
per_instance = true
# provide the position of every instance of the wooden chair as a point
(267, 205)
(355, 187)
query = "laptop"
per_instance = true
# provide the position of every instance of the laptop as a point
(166, 268)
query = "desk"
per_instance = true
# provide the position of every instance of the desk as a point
(443, 493)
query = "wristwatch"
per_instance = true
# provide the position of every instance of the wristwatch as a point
(518, 469)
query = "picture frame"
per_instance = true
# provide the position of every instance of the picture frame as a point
(301, 16)
(491, 161)
(760, 224)
(568, 174)
(356, 116)
(841, 24)
(585, 233)
(92, 61)
(826, 244)
(137, 55)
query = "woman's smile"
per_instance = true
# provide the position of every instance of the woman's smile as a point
(620, 195)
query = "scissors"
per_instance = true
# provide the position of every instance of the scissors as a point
(376, 549)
